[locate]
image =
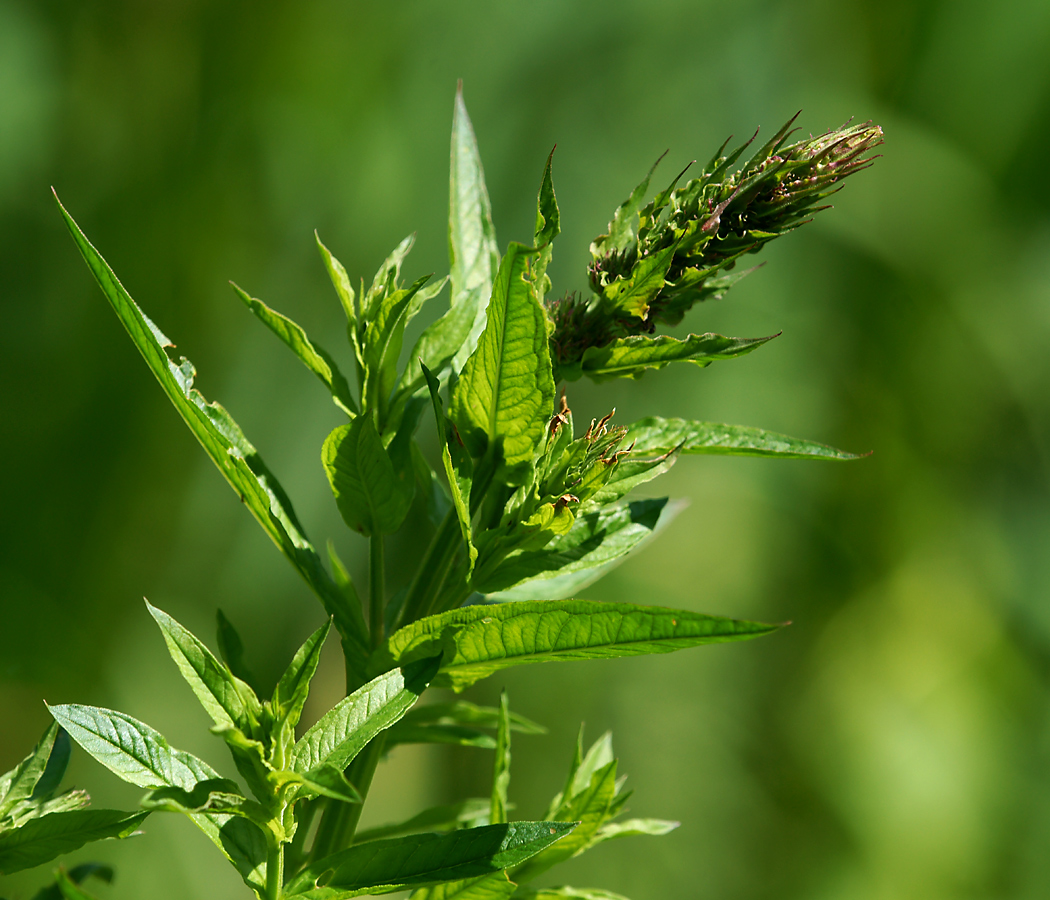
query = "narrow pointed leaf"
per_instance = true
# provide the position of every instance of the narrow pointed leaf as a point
(548, 227)
(40, 840)
(630, 357)
(21, 782)
(371, 497)
(631, 296)
(596, 542)
(657, 435)
(480, 640)
(456, 735)
(322, 781)
(227, 447)
(312, 355)
(210, 680)
(416, 860)
(340, 281)
(473, 252)
(569, 893)
(640, 467)
(623, 229)
(292, 690)
(458, 471)
(495, 886)
(342, 732)
(632, 827)
(462, 712)
(501, 766)
(506, 393)
(464, 814)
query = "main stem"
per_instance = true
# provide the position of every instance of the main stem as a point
(376, 588)
(274, 871)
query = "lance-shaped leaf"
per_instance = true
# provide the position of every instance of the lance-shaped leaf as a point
(39, 773)
(216, 689)
(473, 252)
(231, 649)
(226, 445)
(657, 435)
(548, 227)
(506, 393)
(455, 735)
(632, 828)
(479, 640)
(462, 712)
(623, 229)
(501, 766)
(42, 839)
(371, 497)
(597, 541)
(631, 296)
(636, 469)
(292, 690)
(138, 754)
(630, 357)
(464, 814)
(341, 733)
(458, 468)
(495, 886)
(344, 290)
(312, 355)
(416, 860)
(321, 781)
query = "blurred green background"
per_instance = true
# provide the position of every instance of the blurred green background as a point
(894, 742)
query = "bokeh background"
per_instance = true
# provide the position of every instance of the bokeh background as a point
(894, 742)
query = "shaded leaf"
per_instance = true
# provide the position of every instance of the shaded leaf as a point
(40, 840)
(479, 640)
(76, 876)
(501, 765)
(569, 893)
(657, 435)
(462, 712)
(437, 819)
(292, 690)
(22, 782)
(231, 649)
(312, 355)
(416, 860)
(457, 735)
(629, 357)
(494, 886)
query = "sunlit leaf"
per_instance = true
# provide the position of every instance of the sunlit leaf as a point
(495, 886)
(476, 641)
(292, 690)
(23, 781)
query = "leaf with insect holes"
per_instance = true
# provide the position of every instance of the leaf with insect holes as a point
(226, 445)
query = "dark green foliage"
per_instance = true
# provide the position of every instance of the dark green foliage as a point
(533, 511)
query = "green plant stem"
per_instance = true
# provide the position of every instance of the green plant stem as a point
(376, 574)
(274, 871)
(339, 822)
(422, 587)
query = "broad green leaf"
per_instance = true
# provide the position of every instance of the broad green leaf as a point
(223, 441)
(631, 296)
(596, 542)
(417, 860)
(210, 680)
(629, 357)
(473, 252)
(480, 640)
(656, 435)
(291, 692)
(21, 782)
(632, 827)
(464, 814)
(312, 355)
(458, 470)
(506, 393)
(494, 886)
(371, 497)
(138, 754)
(501, 765)
(40, 840)
(590, 808)
(462, 712)
(569, 893)
(341, 733)
(130, 749)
